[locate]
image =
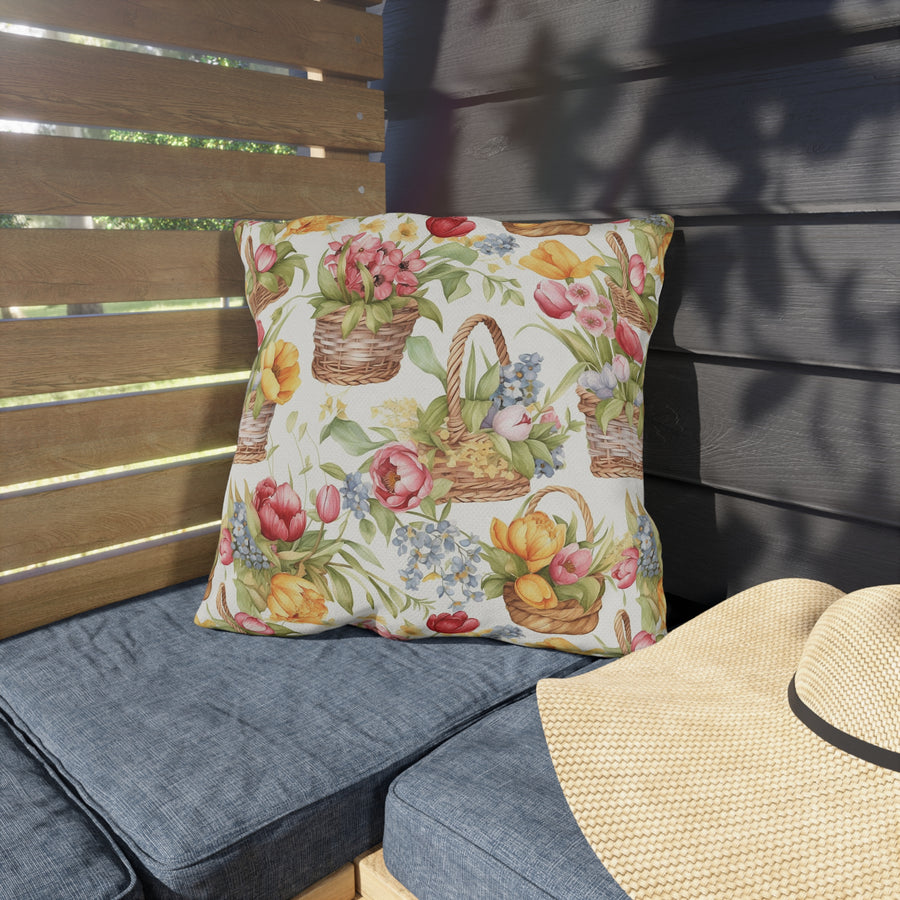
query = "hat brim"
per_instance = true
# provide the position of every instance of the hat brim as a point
(690, 776)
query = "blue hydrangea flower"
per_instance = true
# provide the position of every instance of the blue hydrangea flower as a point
(496, 244)
(355, 494)
(648, 564)
(243, 546)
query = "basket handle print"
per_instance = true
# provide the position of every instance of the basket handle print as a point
(455, 424)
(569, 492)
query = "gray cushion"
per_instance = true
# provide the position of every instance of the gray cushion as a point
(50, 847)
(238, 766)
(483, 817)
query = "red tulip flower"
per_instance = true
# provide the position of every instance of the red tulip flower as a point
(553, 301)
(449, 226)
(629, 341)
(281, 516)
(452, 623)
(328, 503)
(265, 257)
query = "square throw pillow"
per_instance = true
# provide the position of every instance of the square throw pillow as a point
(442, 433)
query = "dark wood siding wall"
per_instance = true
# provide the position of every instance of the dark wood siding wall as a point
(771, 131)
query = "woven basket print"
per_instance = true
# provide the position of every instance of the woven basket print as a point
(616, 453)
(429, 402)
(362, 357)
(567, 616)
(469, 486)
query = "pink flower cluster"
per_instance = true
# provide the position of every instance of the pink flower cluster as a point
(593, 311)
(389, 267)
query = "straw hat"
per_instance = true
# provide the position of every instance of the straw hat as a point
(752, 753)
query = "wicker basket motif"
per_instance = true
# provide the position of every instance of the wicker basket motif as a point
(619, 452)
(361, 357)
(467, 485)
(568, 616)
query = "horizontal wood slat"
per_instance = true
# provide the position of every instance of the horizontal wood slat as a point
(458, 40)
(55, 81)
(42, 175)
(815, 293)
(43, 267)
(820, 439)
(30, 602)
(47, 355)
(716, 544)
(64, 521)
(819, 136)
(48, 441)
(308, 34)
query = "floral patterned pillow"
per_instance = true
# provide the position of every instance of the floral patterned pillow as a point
(442, 433)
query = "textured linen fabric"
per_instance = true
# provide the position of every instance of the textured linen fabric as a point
(51, 848)
(483, 817)
(229, 766)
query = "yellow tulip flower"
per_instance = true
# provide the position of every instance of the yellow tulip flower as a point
(536, 538)
(294, 599)
(280, 375)
(553, 259)
(536, 592)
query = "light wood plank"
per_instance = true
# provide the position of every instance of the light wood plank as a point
(42, 175)
(30, 602)
(374, 880)
(821, 439)
(296, 33)
(43, 267)
(80, 436)
(466, 48)
(817, 293)
(65, 521)
(56, 81)
(809, 137)
(715, 544)
(47, 355)
(339, 885)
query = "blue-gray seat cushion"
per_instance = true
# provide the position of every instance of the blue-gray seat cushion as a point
(483, 817)
(238, 766)
(50, 847)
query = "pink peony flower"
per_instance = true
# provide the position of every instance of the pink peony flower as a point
(281, 516)
(637, 273)
(512, 422)
(399, 480)
(252, 624)
(328, 503)
(582, 294)
(552, 300)
(452, 623)
(642, 639)
(265, 257)
(624, 572)
(594, 321)
(629, 341)
(621, 368)
(449, 226)
(226, 551)
(570, 564)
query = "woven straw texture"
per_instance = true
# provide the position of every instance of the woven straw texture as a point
(691, 777)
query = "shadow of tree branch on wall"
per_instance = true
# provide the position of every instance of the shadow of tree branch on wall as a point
(770, 132)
